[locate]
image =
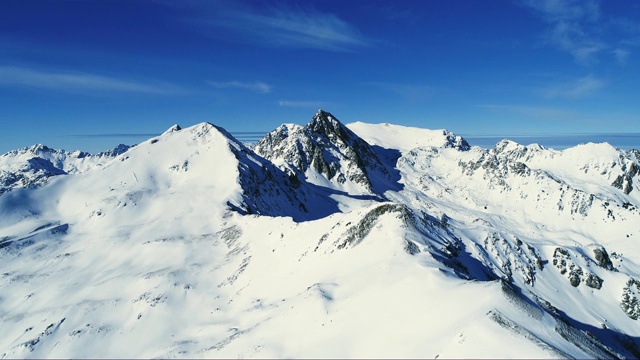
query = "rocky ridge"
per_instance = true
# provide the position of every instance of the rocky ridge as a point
(325, 152)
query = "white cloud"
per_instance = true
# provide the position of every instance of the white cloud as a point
(621, 55)
(578, 28)
(255, 86)
(566, 10)
(574, 26)
(74, 81)
(280, 26)
(575, 89)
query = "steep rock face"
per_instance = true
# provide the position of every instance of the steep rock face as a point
(33, 166)
(327, 153)
(267, 190)
(624, 181)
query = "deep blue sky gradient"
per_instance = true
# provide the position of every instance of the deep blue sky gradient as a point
(91, 74)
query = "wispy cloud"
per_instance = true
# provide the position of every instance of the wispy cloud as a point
(302, 104)
(282, 26)
(255, 86)
(574, 25)
(575, 89)
(13, 76)
(621, 55)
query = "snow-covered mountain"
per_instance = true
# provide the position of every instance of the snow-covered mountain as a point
(33, 166)
(328, 154)
(325, 240)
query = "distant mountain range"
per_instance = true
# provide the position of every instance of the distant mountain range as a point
(323, 240)
(625, 141)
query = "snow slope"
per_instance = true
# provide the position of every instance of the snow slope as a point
(192, 245)
(405, 138)
(33, 166)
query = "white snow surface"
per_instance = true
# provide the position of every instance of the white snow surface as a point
(71, 162)
(190, 245)
(403, 138)
(33, 166)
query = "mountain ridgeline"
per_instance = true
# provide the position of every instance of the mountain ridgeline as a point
(33, 166)
(320, 241)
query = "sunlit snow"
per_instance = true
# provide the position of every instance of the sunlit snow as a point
(327, 241)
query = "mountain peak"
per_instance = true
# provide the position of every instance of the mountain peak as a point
(203, 126)
(37, 148)
(172, 129)
(206, 128)
(322, 115)
(328, 152)
(119, 149)
(325, 123)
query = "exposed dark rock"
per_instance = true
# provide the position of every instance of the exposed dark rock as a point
(574, 276)
(411, 248)
(593, 281)
(630, 303)
(355, 234)
(563, 261)
(602, 258)
(327, 147)
(624, 182)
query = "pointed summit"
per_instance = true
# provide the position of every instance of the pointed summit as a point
(172, 129)
(327, 153)
(324, 122)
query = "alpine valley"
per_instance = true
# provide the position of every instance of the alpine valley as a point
(320, 241)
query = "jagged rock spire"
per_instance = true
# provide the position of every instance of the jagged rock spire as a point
(324, 122)
(328, 148)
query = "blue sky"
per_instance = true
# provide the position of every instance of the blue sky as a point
(92, 74)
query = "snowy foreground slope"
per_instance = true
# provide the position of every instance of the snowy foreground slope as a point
(325, 240)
